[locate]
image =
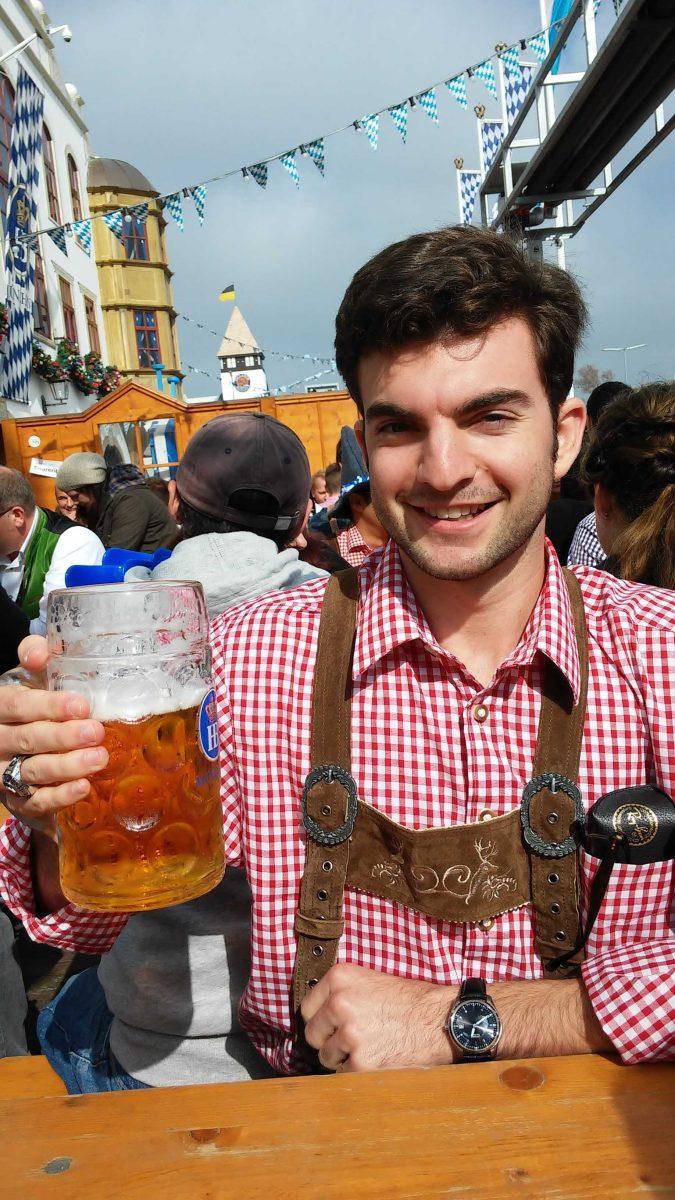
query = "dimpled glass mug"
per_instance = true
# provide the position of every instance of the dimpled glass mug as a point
(149, 834)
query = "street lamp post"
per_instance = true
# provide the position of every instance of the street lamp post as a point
(64, 30)
(624, 350)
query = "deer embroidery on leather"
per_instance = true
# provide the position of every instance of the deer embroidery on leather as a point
(487, 878)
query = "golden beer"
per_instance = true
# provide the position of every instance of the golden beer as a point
(149, 834)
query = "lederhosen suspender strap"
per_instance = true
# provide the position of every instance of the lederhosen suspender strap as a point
(460, 873)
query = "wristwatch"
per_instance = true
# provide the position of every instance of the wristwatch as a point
(473, 1025)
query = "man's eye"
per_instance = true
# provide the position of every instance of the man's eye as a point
(393, 427)
(495, 418)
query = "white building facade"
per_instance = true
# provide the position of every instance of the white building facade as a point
(66, 301)
(242, 375)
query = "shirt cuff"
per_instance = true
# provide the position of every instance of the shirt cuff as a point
(70, 927)
(632, 990)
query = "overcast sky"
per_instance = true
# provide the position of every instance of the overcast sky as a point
(186, 89)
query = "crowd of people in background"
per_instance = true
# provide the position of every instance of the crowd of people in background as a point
(245, 516)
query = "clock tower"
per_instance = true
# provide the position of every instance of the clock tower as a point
(242, 375)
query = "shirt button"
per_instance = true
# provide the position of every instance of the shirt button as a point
(486, 924)
(485, 815)
(480, 712)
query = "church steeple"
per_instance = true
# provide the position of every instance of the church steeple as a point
(241, 371)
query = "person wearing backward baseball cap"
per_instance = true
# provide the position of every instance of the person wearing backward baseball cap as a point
(116, 503)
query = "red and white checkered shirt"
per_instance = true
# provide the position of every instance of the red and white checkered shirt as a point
(421, 753)
(352, 546)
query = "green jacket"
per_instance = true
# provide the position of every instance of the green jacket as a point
(37, 561)
(136, 519)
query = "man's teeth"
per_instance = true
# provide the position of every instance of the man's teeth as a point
(455, 514)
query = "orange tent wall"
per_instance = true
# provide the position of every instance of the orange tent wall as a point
(317, 419)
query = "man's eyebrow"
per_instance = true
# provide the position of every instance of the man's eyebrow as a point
(492, 400)
(385, 408)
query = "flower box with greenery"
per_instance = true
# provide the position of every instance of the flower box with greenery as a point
(88, 373)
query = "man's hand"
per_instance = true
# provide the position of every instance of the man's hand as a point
(63, 746)
(360, 1020)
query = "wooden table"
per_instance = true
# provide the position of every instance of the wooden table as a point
(563, 1128)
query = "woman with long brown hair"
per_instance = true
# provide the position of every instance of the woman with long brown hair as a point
(630, 461)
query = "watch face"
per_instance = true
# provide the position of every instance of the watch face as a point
(475, 1026)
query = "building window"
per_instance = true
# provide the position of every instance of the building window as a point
(74, 184)
(147, 337)
(231, 364)
(68, 310)
(249, 361)
(149, 445)
(41, 319)
(50, 175)
(135, 238)
(6, 122)
(92, 325)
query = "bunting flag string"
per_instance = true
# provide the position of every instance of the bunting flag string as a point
(516, 87)
(259, 173)
(58, 236)
(288, 161)
(469, 186)
(315, 149)
(427, 101)
(198, 194)
(486, 72)
(539, 45)
(82, 231)
(491, 135)
(174, 206)
(371, 128)
(140, 211)
(115, 223)
(511, 59)
(285, 355)
(399, 115)
(458, 89)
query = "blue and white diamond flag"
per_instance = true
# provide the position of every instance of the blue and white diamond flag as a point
(31, 241)
(458, 88)
(316, 153)
(399, 115)
(511, 59)
(140, 211)
(288, 161)
(486, 72)
(259, 173)
(198, 194)
(82, 231)
(21, 212)
(469, 187)
(539, 45)
(371, 127)
(174, 206)
(596, 7)
(516, 87)
(115, 223)
(58, 236)
(427, 100)
(491, 136)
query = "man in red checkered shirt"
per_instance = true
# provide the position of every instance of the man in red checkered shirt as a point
(459, 354)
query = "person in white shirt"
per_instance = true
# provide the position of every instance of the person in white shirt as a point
(36, 548)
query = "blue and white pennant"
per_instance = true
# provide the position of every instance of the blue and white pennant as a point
(457, 87)
(516, 87)
(399, 115)
(316, 152)
(289, 164)
(486, 72)
(198, 194)
(427, 101)
(174, 206)
(371, 128)
(469, 187)
(491, 137)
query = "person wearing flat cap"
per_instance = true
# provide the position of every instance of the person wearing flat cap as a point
(117, 503)
(351, 521)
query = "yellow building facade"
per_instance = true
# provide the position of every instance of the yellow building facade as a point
(134, 275)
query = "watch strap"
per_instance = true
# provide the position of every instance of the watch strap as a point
(473, 989)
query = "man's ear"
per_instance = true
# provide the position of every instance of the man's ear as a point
(360, 431)
(173, 502)
(570, 427)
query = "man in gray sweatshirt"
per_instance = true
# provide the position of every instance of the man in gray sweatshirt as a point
(161, 1009)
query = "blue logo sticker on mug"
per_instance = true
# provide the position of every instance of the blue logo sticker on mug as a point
(207, 726)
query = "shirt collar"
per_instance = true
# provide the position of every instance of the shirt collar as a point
(390, 616)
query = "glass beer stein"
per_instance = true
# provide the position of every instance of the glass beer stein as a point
(149, 834)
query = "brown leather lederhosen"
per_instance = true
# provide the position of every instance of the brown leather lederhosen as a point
(463, 873)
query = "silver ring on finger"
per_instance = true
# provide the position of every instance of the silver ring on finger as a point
(13, 781)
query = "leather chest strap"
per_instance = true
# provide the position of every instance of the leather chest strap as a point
(330, 801)
(554, 804)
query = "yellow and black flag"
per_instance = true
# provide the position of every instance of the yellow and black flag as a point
(228, 293)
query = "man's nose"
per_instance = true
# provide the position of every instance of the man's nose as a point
(446, 461)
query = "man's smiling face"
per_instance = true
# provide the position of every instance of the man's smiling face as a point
(461, 448)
